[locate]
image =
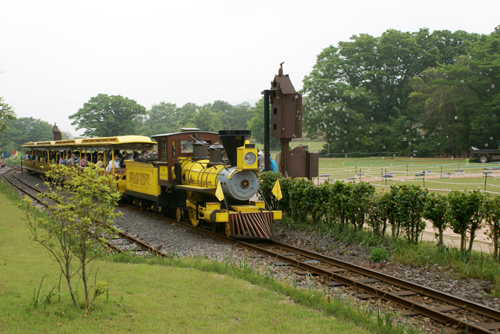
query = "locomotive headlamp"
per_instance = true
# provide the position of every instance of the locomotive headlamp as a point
(250, 158)
(247, 157)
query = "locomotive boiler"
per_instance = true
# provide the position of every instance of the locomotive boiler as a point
(207, 177)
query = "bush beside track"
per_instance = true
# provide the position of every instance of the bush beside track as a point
(354, 212)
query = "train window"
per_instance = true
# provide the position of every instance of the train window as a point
(186, 146)
(163, 149)
(173, 149)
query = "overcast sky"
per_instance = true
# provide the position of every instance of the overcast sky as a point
(56, 55)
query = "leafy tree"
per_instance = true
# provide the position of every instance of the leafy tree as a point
(411, 201)
(465, 216)
(104, 116)
(391, 210)
(232, 117)
(301, 201)
(161, 118)
(457, 102)
(338, 199)
(206, 120)
(71, 228)
(359, 201)
(383, 210)
(6, 114)
(446, 113)
(357, 87)
(186, 114)
(435, 210)
(376, 215)
(358, 91)
(22, 130)
(491, 210)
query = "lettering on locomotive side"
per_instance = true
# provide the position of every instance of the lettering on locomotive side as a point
(138, 179)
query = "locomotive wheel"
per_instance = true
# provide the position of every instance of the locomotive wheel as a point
(228, 229)
(483, 159)
(179, 214)
(214, 227)
(193, 198)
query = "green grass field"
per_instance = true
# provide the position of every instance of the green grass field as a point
(473, 183)
(406, 168)
(375, 167)
(144, 298)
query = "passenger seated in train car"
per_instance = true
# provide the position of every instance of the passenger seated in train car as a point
(83, 161)
(71, 161)
(119, 155)
(100, 160)
(115, 162)
(94, 157)
(122, 159)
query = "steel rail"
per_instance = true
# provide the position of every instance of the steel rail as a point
(38, 190)
(142, 244)
(378, 293)
(422, 290)
(24, 191)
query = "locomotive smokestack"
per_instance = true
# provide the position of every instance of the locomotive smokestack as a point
(231, 140)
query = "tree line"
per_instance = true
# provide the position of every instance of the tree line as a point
(398, 92)
(402, 91)
(105, 115)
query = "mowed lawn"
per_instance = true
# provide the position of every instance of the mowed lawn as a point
(142, 298)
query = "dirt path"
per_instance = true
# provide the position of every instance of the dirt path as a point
(481, 242)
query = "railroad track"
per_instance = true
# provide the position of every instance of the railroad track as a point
(416, 299)
(452, 312)
(413, 299)
(10, 177)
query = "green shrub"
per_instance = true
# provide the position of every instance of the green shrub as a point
(267, 181)
(379, 254)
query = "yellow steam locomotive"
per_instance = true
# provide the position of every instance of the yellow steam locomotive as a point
(203, 176)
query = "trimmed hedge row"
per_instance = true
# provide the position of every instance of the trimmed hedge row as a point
(403, 208)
